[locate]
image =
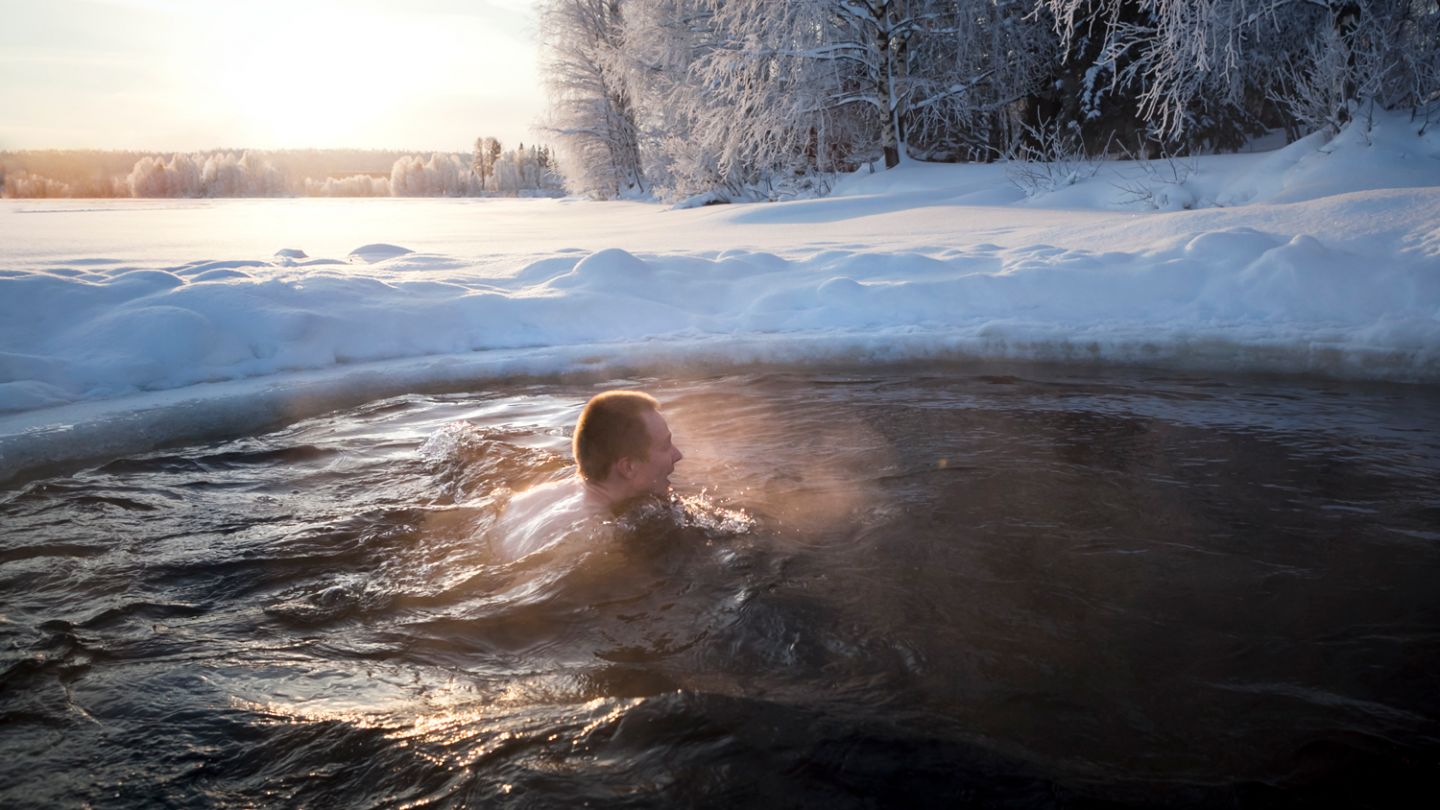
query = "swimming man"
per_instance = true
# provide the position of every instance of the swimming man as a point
(624, 452)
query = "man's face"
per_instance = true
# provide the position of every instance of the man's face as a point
(652, 473)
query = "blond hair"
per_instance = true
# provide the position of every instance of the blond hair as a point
(611, 428)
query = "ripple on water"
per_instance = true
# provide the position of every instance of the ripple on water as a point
(917, 587)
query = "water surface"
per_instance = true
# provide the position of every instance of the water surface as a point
(911, 587)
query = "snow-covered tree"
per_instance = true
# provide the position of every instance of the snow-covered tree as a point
(592, 114)
(224, 174)
(973, 69)
(1184, 60)
(729, 95)
(180, 176)
(22, 184)
(487, 151)
(356, 185)
(441, 175)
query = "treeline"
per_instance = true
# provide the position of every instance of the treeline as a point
(743, 98)
(302, 172)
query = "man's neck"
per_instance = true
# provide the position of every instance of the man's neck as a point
(610, 496)
(602, 494)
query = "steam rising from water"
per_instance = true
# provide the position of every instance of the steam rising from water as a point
(812, 465)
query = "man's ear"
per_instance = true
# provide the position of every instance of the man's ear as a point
(625, 467)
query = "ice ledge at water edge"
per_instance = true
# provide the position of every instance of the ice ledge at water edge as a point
(68, 436)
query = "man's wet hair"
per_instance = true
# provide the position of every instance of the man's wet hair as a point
(612, 427)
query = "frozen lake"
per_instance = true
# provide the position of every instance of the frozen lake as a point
(48, 232)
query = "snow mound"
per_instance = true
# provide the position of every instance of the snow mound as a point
(1381, 150)
(378, 252)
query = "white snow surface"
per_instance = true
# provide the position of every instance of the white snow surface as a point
(129, 324)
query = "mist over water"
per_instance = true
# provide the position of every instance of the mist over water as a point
(912, 587)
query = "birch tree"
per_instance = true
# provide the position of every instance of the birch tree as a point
(592, 118)
(662, 42)
(1307, 55)
(917, 75)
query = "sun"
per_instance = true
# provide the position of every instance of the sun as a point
(310, 76)
(285, 74)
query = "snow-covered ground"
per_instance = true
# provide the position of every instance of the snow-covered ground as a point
(127, 324)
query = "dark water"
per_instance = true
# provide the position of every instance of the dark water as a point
(910, 589)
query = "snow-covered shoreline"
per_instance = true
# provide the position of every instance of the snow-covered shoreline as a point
(1322, 258)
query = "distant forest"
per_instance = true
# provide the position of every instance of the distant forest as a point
(717, 100)
(490, 170)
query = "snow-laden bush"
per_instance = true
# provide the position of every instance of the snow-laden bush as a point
(1158, 184)
(1051, 156)
(225, 175)
(216, 175)
(441, 175)
(25, 184)
(356, 185)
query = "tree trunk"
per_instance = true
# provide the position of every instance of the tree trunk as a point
(892, 70)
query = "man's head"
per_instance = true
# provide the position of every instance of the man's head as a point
(623, 445)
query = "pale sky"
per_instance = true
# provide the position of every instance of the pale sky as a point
(166, 75)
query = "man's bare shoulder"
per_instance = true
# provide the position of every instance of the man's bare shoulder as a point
(542, 495)
(542, 515)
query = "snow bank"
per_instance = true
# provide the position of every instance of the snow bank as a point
(1317, 280)
(1234, 297)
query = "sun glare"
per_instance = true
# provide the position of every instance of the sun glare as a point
(305, 77)
(266, 74)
